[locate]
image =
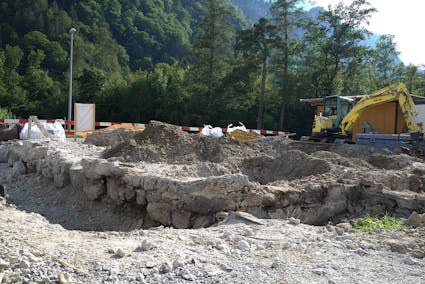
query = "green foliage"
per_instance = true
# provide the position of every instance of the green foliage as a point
(55, 55)
(254, 9)
(372, 224)
(414, 80)
(212, 52)
(145, 95)
(255, 47)
(385, 67)
(286, 14)
(112, 38)
(5, 113)
(333, 43)
(14, 95)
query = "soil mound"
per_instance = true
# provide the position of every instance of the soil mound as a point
(159, 142)
(164, 134)
(165, 143)
(111, 137)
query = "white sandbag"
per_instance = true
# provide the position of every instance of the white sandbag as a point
(241, 127)
(208, 130)
(55, 129)
(35, 132)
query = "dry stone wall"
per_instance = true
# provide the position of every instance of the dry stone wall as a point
(167, 200)
(269, 177)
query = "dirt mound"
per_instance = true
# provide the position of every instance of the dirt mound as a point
(162, 133)
(111, 137)
(165, 143)
(159, 142)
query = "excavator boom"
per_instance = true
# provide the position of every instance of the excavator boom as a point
(393, 93)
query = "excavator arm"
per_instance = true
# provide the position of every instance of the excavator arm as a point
(393, 93)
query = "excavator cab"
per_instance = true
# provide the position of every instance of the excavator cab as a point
(335, 108)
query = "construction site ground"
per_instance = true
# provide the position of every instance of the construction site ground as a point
(165, 206)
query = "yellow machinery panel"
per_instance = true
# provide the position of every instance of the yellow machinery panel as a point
(386, 118)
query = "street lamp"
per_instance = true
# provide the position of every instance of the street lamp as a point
(71, 31)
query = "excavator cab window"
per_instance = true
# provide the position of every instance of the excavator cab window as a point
(345, 107)
(336, 108)
(330, 106)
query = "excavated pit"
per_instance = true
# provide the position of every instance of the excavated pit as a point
(290, 165)
(164, 176)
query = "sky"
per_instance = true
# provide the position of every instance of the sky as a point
(403, 19)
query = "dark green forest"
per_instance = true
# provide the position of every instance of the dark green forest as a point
(191, 62)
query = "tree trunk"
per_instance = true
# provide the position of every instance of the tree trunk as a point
(282, 115)
(262, 94)
(285, 72)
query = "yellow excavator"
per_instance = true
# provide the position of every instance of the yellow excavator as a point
(340, 114)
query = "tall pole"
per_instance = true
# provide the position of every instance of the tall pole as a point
(71, 31)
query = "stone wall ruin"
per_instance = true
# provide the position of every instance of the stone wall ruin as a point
(168, 177)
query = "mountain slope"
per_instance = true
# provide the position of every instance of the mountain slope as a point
(254, 9)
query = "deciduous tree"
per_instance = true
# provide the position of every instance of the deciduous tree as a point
(333, 42)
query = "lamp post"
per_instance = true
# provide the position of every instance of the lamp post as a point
(71, 31)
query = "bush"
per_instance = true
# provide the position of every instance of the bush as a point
(372, 224)
(5, 113)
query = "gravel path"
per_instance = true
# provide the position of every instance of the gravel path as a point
(34, 248)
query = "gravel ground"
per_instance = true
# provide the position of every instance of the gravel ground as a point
(35, 248)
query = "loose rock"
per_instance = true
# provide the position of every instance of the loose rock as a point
(165, 268)
(147, 245)
(243, 245)
(120, 253)
(416, 220)
(4, 265)
(294, 221)
(410, 261)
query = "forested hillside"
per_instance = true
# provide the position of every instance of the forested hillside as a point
(254, 9)
(113, 38)
(190, 62)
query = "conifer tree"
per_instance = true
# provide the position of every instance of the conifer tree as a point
(212, 50)
(286, 14)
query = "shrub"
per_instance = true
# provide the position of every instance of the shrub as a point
(5, 113)
(373, 224)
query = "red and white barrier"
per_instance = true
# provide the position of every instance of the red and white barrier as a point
(106, 124)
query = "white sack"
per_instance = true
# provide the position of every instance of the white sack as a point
(208, 130)
(55, 129)
(231, 128)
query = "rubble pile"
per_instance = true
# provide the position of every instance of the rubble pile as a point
(164, 176)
